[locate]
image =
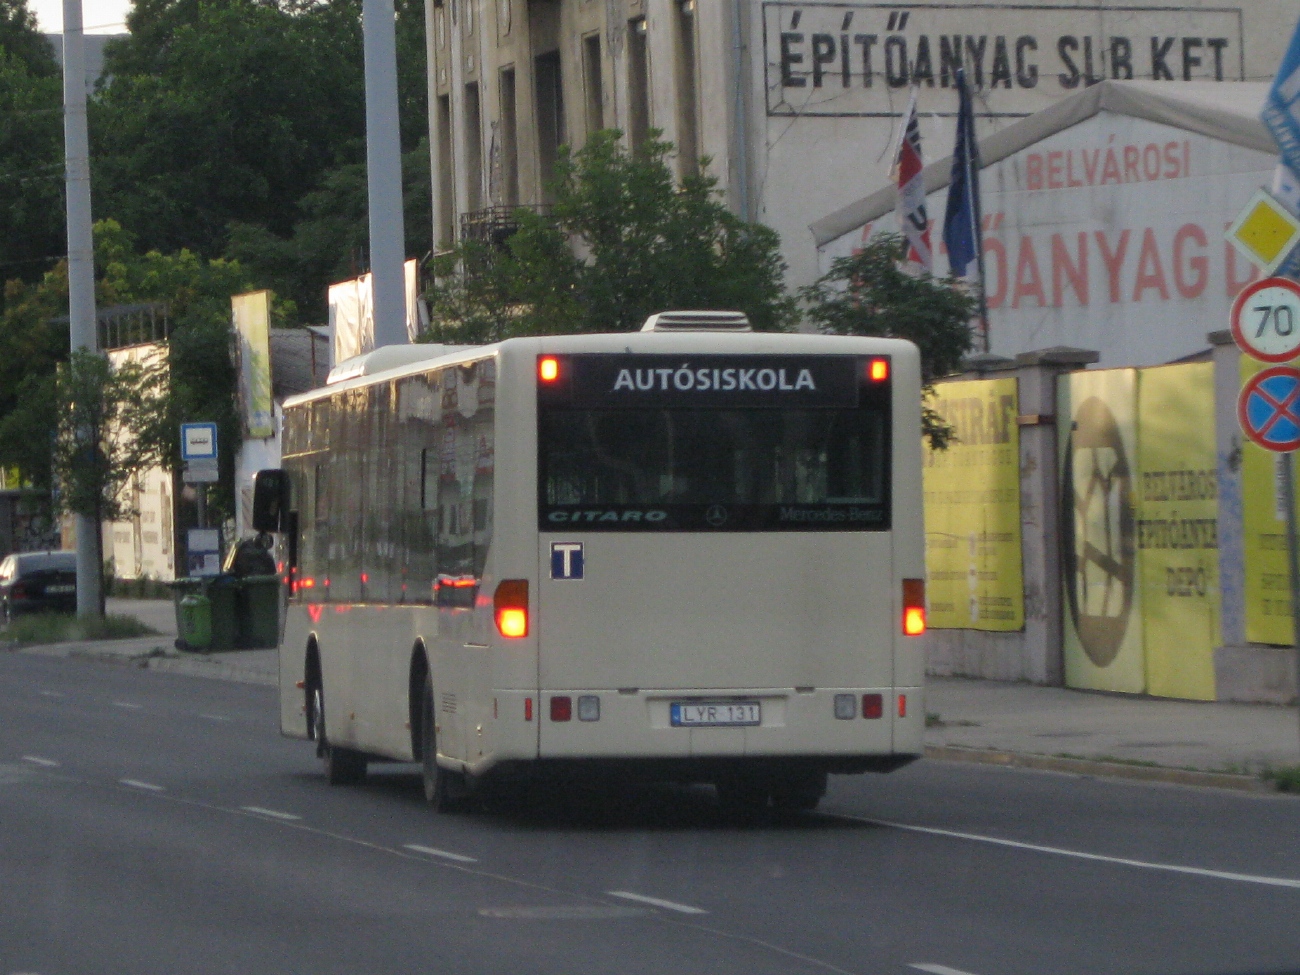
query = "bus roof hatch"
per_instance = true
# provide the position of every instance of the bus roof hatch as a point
(697, 321)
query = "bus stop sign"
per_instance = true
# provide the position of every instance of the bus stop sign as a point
(1269, 409)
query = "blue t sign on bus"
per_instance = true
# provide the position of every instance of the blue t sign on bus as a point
(566, 560)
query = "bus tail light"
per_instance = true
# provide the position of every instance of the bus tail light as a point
(845, 707)
(561, 708)
(510, 604)
(902, 705)
(913, 607)
(878, 370)
(589, 707)
(873, 706)
(528, 709)
(548, 369)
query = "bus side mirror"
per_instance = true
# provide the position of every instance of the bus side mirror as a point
(270, 500)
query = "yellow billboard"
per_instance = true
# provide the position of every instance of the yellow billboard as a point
(1097, 440)
(972, 510)
(252, 316)
(1177, 529)
(1267, 585)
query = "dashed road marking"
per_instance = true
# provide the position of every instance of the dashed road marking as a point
(214, 717)
(51, 693)
(128, 705)
(273, 813)
(137, 784)
(627, 895)
(1247, 878)
(445, 854)
(934, 969)
(42, 762)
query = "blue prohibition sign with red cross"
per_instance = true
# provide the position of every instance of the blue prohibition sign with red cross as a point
(1269, 409)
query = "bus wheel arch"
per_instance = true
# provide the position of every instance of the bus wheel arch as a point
(419, 673)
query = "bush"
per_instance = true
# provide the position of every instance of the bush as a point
(1284, 779)
(65, 628)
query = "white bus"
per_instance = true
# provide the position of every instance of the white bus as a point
(692, 553)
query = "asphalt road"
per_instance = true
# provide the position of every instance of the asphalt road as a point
(156, 823)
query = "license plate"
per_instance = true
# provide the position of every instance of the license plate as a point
(57, 590)
(715, 714)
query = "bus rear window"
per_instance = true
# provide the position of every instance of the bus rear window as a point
(701, 470)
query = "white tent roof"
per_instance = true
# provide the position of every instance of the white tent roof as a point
(1228, 111)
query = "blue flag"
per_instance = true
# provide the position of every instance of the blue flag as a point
(961, 219)
(1282, 107)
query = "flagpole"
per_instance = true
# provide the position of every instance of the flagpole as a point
(977, 217)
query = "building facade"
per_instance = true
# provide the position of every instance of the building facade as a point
(795, 104)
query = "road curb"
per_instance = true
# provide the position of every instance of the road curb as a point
(212, 669)
(1083, 766)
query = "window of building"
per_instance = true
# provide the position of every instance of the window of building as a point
(638, 83)
(473, 148)
(509, 138)
(446, 227)
(592, 83)
(550, 116)
(688, 148)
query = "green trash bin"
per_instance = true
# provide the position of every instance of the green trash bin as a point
(194, 621)
(223, 593)
(259, 612)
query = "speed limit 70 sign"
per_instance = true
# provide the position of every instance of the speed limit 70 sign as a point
(1266, 320)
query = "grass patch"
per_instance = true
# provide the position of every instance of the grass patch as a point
(66, 628)
(1284, 779)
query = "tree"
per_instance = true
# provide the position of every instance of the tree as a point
(621, 241)
(31, 147)
(870, 293)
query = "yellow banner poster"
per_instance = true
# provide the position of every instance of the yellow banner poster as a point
(972, 510)
(1177, 532)
(1096, 413)
(252, 315)
(1267, 585)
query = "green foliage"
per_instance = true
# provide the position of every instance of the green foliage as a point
(1285, 778)
(621, 241)
(237, 127)
(31, 159)
(869, 293)
(21, 38)
(43, 628)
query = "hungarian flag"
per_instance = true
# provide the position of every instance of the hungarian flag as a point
(912, 219)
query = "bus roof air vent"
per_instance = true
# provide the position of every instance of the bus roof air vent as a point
(697, 321)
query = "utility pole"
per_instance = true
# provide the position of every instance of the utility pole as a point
(384, 173)
(81, 270)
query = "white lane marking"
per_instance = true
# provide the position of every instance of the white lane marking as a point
(627, 895)
(1247, 878)
(445, 854)
(128, 705)
(214, 717)
(51, 693)
(137, 784)
(43, 762)
(274, 814)
(934, 969)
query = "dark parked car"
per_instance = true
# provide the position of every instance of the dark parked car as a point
(33, 581)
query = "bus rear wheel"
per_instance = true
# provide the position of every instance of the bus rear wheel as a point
(442, 789)
(343, 766)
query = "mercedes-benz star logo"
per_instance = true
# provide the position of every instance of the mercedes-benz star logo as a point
(716, 516)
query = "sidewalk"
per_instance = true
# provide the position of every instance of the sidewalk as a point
(159, 653)
(1052, 721)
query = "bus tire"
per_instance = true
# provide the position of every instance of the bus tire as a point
(798, 792)
(343, 766)
(440, 786)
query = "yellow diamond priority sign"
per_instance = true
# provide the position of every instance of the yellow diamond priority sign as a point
(1265, 232)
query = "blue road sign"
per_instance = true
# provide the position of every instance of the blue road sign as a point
(198, 441)
(566, 560)
(1269, 409)
(1282, 106)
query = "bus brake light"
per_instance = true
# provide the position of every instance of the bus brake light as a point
(548, 369)
(913, 607)
(510, 605)
(878, 370)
